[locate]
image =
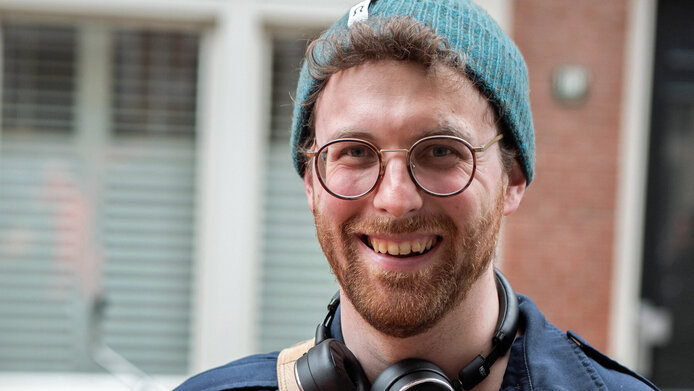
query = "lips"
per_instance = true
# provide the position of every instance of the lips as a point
(394, 247)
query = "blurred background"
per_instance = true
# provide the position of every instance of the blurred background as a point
(152, 225)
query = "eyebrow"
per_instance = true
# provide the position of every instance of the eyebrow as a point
(448, 130)
(352, 133)
(444, 129)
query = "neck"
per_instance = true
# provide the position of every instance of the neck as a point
(462, 334)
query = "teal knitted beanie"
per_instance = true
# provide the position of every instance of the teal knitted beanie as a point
(493, 63)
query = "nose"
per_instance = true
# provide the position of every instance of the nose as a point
(397, 195)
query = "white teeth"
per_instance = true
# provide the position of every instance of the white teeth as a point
(401, 248)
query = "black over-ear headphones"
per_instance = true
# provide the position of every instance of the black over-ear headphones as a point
(330, 366)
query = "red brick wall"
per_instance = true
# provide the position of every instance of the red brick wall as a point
(558, 248)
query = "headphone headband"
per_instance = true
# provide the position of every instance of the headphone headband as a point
(506, 328)
(330, 361)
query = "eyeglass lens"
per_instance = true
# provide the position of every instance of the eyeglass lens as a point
(351, 168)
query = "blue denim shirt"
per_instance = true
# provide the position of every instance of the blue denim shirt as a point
(543, 358)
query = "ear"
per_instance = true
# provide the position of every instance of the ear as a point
(308, 187)
(515, 189)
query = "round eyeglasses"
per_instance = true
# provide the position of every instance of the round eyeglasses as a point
(442, 165)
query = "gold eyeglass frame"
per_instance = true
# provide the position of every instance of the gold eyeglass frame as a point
(410, 165)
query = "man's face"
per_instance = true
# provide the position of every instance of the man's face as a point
(403, 257)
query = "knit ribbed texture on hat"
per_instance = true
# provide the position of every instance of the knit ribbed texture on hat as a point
(493, 62)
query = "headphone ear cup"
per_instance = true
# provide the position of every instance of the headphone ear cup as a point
(413, 374)
(330, 366)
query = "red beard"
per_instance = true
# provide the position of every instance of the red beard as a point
(405, 304)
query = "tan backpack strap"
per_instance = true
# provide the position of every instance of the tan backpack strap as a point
(286, 361)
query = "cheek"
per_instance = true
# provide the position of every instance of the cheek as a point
(462, 207)
(334, 209)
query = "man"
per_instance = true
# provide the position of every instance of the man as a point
(414, 137)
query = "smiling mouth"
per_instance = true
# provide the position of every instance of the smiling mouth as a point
(407, 248)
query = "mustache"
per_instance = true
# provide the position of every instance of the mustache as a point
(408, 225)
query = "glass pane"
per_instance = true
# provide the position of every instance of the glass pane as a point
(38, 78)
(43, 283)
(154, 82)
(147, 217)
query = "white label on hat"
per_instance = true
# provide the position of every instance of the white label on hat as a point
(359, 13)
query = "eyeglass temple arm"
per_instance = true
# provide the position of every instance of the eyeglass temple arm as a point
(489, 144)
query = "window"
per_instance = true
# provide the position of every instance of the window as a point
(296, 280)
(97, 186)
